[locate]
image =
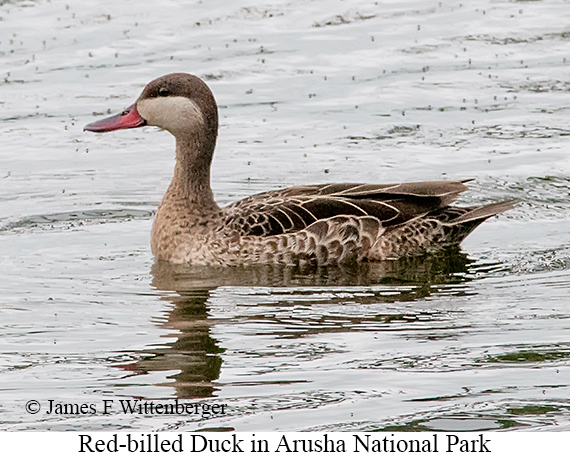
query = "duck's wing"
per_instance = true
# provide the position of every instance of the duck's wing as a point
(296, 208)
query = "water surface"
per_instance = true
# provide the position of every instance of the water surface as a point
(309, 92)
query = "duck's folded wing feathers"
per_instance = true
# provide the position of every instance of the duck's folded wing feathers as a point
(295, 208)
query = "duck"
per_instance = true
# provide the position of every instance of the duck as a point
(323, 224)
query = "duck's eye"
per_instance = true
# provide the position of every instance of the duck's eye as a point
(163, 92)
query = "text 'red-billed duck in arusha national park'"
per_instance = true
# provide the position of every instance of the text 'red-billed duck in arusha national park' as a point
(325, 224)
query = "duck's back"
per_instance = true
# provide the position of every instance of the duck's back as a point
(339, 223)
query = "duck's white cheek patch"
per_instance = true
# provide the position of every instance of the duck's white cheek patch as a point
(175, 114)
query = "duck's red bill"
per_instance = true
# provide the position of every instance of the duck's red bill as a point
(128, 119)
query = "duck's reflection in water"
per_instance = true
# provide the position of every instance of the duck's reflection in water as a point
(197, 356)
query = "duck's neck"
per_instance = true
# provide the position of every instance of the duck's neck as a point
(192, 174)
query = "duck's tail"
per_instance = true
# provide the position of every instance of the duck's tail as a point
(435, 231)
(481, 213)
(460, 222)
